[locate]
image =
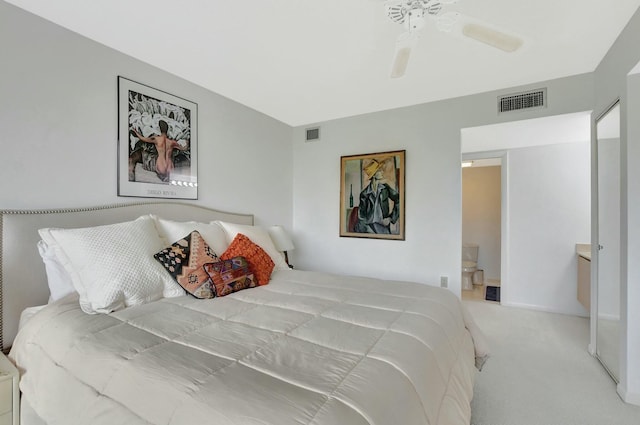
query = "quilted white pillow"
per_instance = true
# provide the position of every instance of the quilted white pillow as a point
(112, 266)
(58, 279)
(260, 237)
(212, 233)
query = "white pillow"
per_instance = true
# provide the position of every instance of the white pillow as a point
(58, 278)
(212, 233)
(259, 236)
(112, 266)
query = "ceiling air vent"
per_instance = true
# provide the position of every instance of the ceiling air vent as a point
(524, 100)
(313, 134)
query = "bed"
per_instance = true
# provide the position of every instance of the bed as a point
(305, 348)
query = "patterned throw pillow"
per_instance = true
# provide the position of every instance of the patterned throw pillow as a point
(185, 259)
(230, 275)
(259, 261)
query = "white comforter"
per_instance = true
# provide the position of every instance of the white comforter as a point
(309, 348)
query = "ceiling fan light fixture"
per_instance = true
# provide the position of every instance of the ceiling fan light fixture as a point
(412, 14)
(415, 20)
(499, 40)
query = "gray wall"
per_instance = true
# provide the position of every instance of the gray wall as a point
(58, 124)
(629, 386)
(612, 82)
(430, 133)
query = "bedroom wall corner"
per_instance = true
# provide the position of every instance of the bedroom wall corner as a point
(616, 77)
(431, 135)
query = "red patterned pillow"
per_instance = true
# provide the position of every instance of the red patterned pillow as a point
(230, 275)
(184, 260)
(259, 261)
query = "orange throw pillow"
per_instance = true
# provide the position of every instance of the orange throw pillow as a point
(259, 261)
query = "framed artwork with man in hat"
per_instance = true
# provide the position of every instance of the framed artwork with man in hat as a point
(372, 195)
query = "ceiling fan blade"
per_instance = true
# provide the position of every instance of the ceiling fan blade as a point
(494, 38)
(466, 26)
(405, 43)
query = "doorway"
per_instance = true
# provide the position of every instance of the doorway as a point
(545, 212)
(481, 227)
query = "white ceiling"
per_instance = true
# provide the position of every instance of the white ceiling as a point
(308, 61)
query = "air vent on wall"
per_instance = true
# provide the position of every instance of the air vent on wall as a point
(313, 134)
(524, 100)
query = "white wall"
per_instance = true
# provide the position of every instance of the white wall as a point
(548, 202)
(58, 121)
(612, 82)
(430, 234)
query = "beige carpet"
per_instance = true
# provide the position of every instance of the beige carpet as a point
(540, 372)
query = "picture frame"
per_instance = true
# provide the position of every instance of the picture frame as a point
(372, 195)
(157, 143)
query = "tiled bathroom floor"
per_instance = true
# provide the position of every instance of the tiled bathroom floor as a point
(478, 291)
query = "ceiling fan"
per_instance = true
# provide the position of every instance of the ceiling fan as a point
(412, 14)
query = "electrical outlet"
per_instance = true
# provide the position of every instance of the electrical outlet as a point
(444, 281)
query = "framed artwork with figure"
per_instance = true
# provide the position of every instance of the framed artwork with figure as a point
(157, 143)
(372, 195)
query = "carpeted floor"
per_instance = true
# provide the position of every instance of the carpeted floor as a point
(540, 372)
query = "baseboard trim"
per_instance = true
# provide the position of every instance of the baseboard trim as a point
(612, 317)
(544, 309)
(628, 397)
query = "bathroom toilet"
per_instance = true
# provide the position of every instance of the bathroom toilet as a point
(469, 264)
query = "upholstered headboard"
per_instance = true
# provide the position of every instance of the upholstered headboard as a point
(22, 275)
